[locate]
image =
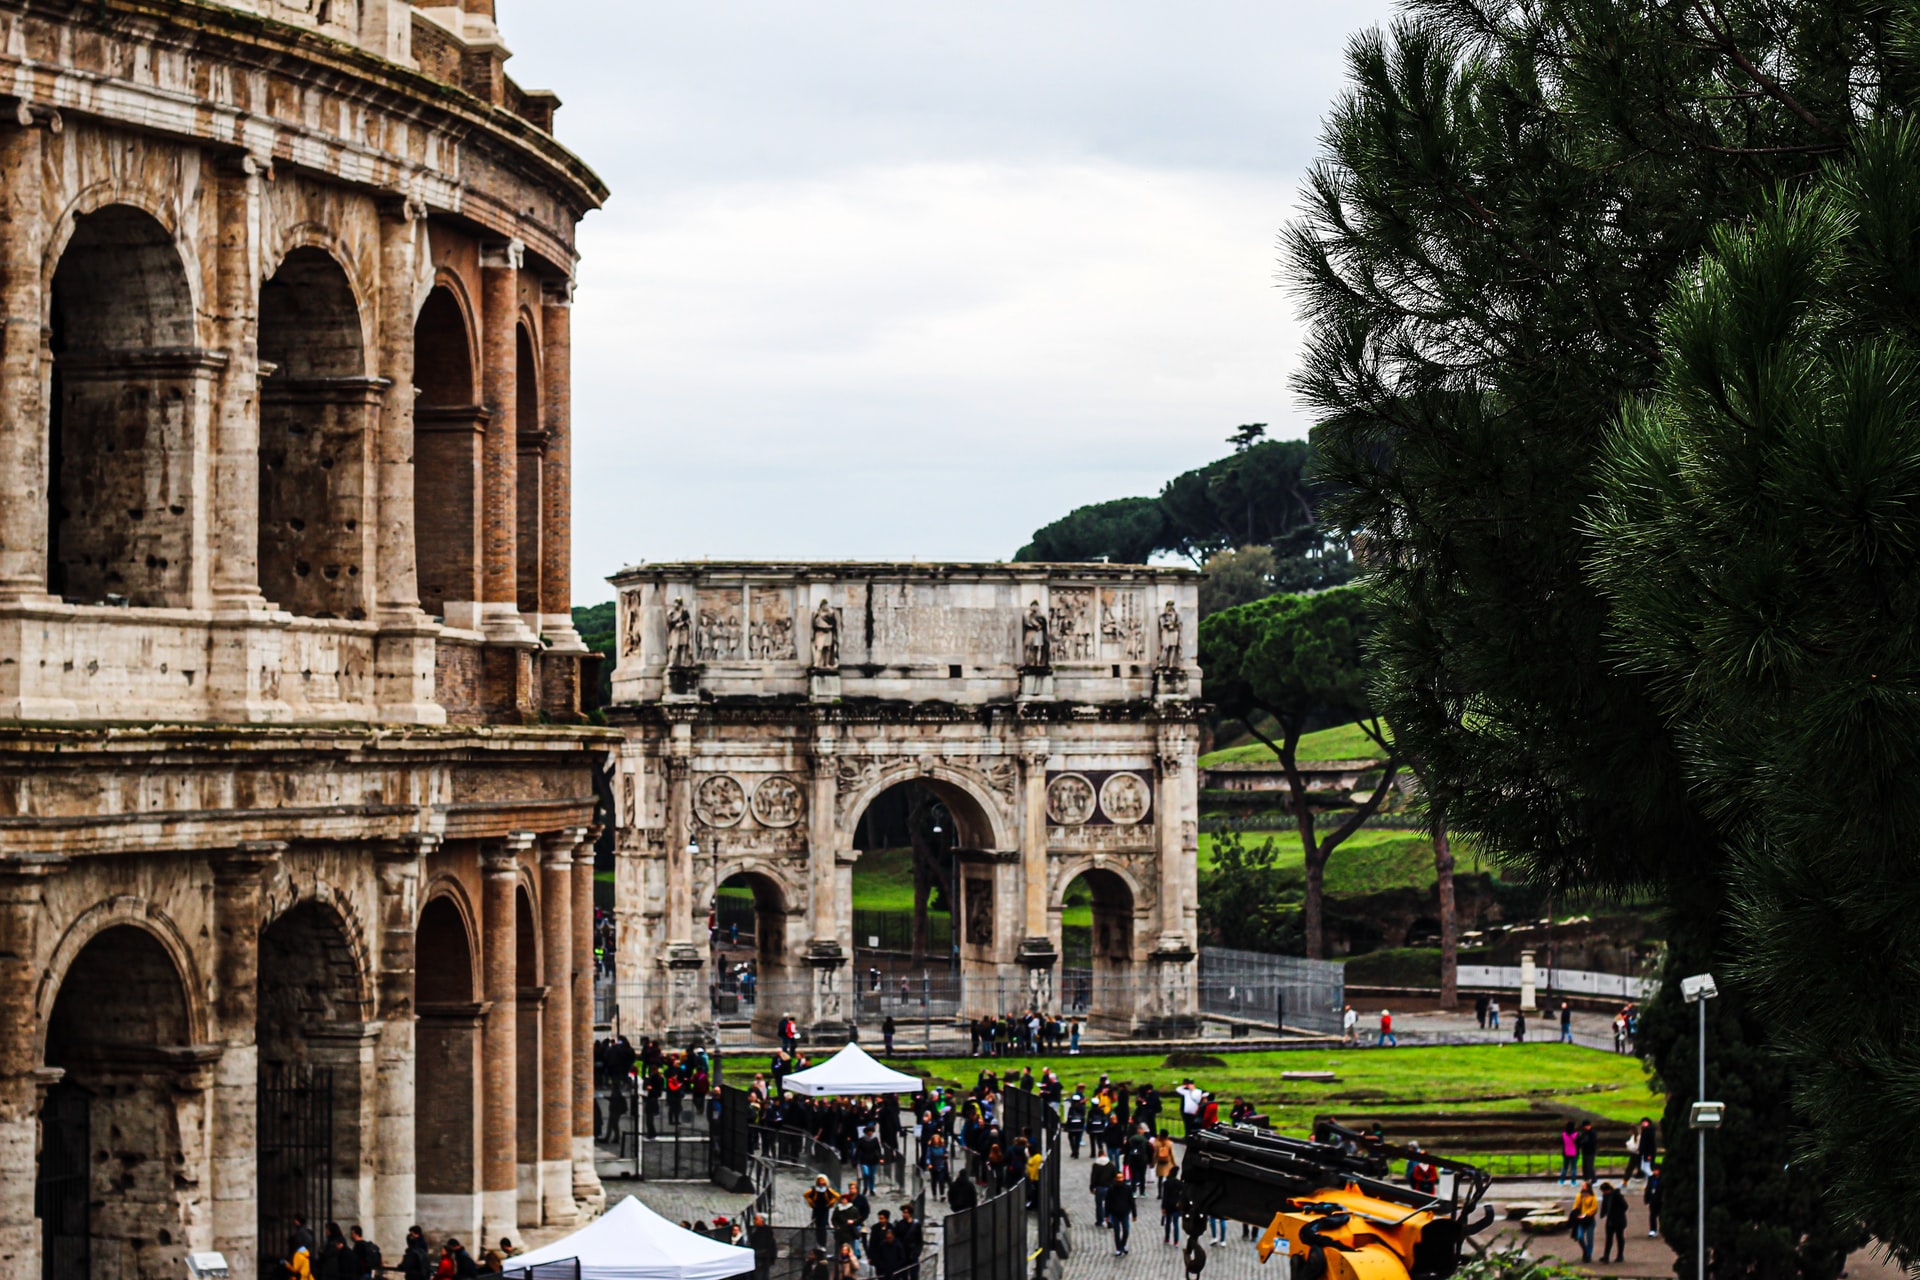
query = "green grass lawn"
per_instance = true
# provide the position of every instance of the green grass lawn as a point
(1343, 742)
(1368, 861)
(1374, 1081)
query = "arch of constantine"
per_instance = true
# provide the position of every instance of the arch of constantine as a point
(766, 707)
(296, 785)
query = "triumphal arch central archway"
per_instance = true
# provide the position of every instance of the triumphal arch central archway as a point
(767, 707)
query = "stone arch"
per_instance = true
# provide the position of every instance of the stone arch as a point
(776, 901)
(129, 393)
(316, 1065)
(159, 205)
(121, 1153)
(446, 1082)
(449, 425)
(529, 481)
(985, 819)
(1101, 981)
(318, 411)
(138, 913)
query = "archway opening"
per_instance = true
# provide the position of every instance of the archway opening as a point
(1097, 949)
(446, 1079)
(316, 1066)
(532, 454)
(317, 410)
(903, 882)
(531, 1000)
(128, 391)
(751, 979)
(448, 428)
(109, 1189)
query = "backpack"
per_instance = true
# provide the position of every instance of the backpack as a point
(369, 1258)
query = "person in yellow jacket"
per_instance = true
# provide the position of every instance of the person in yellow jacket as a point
(1586, 1207)
(299, 1266)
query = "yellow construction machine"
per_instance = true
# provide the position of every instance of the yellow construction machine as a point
(1328, 1205)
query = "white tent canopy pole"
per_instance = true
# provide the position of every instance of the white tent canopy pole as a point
(852, 1072)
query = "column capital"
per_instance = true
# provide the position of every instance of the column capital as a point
(401, 206)
(503, 255)
(406, 848)
(249, 860)
(557, 847)
(557, 293)
(501, 857)
(27, 114)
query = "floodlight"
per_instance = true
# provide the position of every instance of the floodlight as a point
(1706, 1115)
(1697, 988)
(207, 1266)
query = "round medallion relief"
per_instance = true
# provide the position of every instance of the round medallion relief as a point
(1125, 798)
(778, 802)
(719, 801)
(1069, 800)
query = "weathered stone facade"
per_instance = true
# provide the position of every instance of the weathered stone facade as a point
(296, 788)
(766, 706)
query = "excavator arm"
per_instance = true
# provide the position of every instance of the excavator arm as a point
(1328, 1205)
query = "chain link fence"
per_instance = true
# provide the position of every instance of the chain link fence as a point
(1289, 991)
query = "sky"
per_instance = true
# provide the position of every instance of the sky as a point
(907, 281)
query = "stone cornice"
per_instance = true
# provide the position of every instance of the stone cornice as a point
(252, 44)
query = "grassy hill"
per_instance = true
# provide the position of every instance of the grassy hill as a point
(1342, 742)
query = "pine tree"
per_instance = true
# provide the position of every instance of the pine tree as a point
(1759, 539)
(1507, 191)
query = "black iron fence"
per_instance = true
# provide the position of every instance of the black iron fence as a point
(893, 931)
(674, 1147)
(295, 1153)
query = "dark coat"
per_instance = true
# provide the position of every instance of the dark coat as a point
(962, 1196)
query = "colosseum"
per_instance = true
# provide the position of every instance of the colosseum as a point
(296, 775)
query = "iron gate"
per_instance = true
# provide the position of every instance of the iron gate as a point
(62, 1187)
(295, 1146)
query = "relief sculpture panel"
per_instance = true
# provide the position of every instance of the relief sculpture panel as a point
(720, 636)
(1123, 625)
(770, 632)
(1070, 799)
(779, 802)
(719, 801)
(1071, 619)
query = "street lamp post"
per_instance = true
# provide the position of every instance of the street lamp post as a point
(1703, 1115)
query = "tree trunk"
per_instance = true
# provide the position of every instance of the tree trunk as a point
(1315, 926)
(1449, 916)
(921, 887)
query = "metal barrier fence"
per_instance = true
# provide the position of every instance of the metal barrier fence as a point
(669, 1148)
(988, 1241)
(893, 931)
(565, 1269)
(1289, 990)
(1581, 982)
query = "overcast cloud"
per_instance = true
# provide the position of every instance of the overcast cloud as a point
(890, 281)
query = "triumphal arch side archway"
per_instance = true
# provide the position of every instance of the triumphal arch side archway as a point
(767, 706)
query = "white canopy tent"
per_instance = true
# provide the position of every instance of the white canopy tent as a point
(852, 1072)
(632, 1242)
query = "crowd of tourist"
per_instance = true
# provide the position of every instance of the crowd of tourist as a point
(660, 1079)
(349, 1255)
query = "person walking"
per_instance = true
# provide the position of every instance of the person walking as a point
(1589, 1149)
(1076, 1122)
(1586, 1206)
(1100, 1180)
(366, 1255)
(1493, 1013)
(1519, 1027)
(1569, 1154)
(937, 1166)
(1566, 1023)
(1163, 1161)
(1480, 1010)
(1349, 1026)
(886, 1035)
(416, 1263)
(821, 1198)
(1120, 1210)
(1386, 1031)
(1171, 1189)
(1613, 1218)
(1648, 1148)
(1650, 1197)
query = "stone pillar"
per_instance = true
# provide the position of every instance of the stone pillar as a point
(499, 1097)
(404, 661)
(23, 371)
(499, 381)
(556, 501)
(239, 893)
(1037, 954)
(400, 865)
(688, 1015)
(235, 514)
(1172, 962)
(22, 913)
(557, 1039)
(587, 1190)
(826, 958)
